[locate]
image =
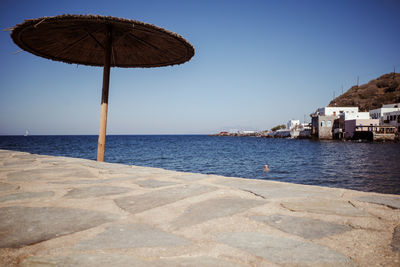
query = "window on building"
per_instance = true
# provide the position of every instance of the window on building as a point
(328, 124)
(322, 123)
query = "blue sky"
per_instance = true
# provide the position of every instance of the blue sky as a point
(257, 64)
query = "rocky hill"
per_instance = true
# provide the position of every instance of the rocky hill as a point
(383, 90)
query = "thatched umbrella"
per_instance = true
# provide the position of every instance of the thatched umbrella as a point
(102, 41)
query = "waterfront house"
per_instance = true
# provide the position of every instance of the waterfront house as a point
(339, 125)
(347, 122)
(321, 126)
(322, 121)
(293, 129)
(379, 113)
(392, 119)
(282, 133)
(355, 116)
(292, 124)
(375, 133)
(247, 133)
(336, 111)
(338, 128)
(304, 130)
(360, 128)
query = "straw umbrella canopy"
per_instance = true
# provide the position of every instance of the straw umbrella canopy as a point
(102, 41)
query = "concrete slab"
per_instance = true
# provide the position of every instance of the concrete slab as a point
(92, 181)
(26, 195)
(10, 162)
(272, 190)
(24, 156)
(202, 261)
(122, 260)
(191, 177)
(87, 260)
(305, 227)
(117, 169)
(390, 201)
(23, 226)
(97, 181)
(8, 187)
(122, 236)
(213, 209)
(96, 191)
(285, 251)
(49, 173)
(106, 165)
(325, 206)
(396, 239)
(152, 183)
(136, 204)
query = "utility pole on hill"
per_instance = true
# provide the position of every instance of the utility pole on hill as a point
(358, 78)
(394, 72)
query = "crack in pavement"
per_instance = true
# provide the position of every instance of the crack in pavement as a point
(249, 191)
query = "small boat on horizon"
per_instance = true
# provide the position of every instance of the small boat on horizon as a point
(26, 133)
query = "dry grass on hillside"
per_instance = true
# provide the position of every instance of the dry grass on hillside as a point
(383, 90)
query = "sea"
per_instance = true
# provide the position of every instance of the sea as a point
(372, 167)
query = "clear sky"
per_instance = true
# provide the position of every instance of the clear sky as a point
(257, 64)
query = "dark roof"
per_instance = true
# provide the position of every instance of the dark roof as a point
(80, 39)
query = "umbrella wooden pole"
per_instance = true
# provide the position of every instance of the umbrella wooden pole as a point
(104, 97)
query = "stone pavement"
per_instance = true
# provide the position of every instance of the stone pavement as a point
(57, 211)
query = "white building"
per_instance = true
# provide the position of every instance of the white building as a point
(304, 126)
(395, 105)
(379, 113)
(350, 126)
(292, 124)
(336, 111)
(328, 122)
(247, 132)
(393, 119)
(355, 116)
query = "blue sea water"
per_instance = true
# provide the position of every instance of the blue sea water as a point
(360, 166)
